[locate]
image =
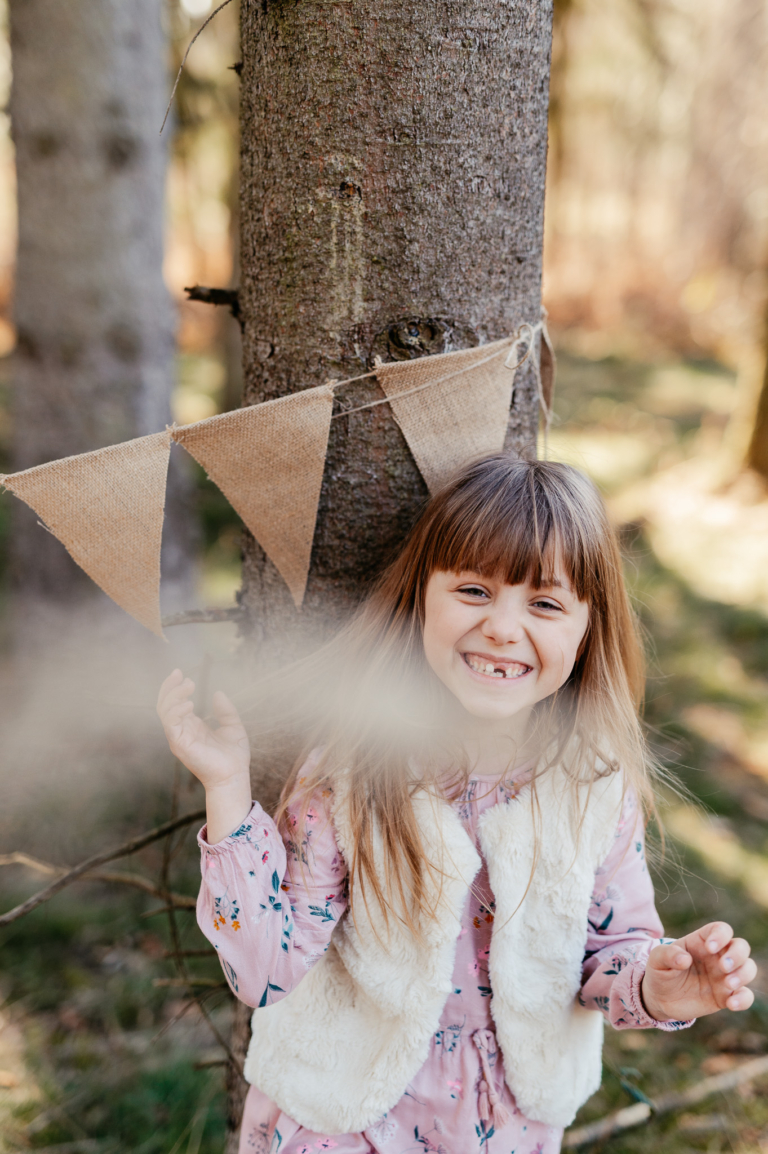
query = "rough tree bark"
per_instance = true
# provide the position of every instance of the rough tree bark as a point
(392, 165)
(392, 196)
(94, 360)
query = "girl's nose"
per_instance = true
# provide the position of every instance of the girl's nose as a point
(503, 625)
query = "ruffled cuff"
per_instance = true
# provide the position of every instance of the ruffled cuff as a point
(257, 825)
(628, 1010)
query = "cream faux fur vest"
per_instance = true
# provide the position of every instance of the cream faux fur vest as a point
(340, 1050)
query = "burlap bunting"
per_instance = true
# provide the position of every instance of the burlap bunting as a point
(268, 460)
(464, 417)
(106, 508)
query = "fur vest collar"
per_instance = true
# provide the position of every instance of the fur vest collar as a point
(339, 1051)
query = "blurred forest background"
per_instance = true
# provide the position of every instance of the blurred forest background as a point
(656, 282)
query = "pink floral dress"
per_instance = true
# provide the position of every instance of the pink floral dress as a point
(270, 906)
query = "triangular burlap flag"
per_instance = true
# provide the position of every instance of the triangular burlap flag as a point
(464, 414)
(268, 461)
(106, 508)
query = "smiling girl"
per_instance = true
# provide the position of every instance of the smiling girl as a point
(453, 896)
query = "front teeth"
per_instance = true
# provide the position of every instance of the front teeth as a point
(489, 670)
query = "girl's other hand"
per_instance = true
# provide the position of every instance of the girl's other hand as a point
(705, 971)
(217, 757)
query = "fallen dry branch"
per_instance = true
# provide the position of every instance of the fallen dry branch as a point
(183, 901)
(641, 1112)
(91, 863)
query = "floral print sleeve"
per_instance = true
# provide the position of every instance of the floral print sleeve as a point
(623, 929)
(269, 905)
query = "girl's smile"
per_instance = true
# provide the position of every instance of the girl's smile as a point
(489, 665)
(499, 648)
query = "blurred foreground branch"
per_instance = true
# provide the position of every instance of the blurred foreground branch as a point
(136, 880)
(91, 863)
(641, 1112)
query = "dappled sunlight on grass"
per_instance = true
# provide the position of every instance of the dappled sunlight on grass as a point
(715, 537)
(726, 729)
(720, 849)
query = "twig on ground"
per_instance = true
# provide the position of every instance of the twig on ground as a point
(641, 1112)
(89, 864)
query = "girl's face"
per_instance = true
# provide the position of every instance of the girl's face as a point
(501, 648)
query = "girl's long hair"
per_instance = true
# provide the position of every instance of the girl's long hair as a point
(387, 724)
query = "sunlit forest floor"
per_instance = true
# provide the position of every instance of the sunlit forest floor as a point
(660, 441)
(98, 1052)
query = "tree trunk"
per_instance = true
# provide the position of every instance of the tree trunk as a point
(392, 164)
(94, 361)
(392, 197)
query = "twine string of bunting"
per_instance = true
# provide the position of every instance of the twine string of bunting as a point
(532, 332)
(417, 388)
(107, 506)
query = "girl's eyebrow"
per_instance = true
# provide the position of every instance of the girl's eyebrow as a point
(556, 583)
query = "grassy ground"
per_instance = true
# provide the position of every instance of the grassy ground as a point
(95, 1056)
(116, 1057)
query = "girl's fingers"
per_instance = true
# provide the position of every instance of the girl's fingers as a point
(177, 693)
(226, 714)
(671, 956)
(735, 955)
(709, 940)
(175, 715)
(741, 977)
(741, 1000)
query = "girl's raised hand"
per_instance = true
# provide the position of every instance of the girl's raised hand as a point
(705, 971)
(217, 757)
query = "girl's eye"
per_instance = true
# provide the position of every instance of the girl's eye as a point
(473, 591)
(545, 605)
